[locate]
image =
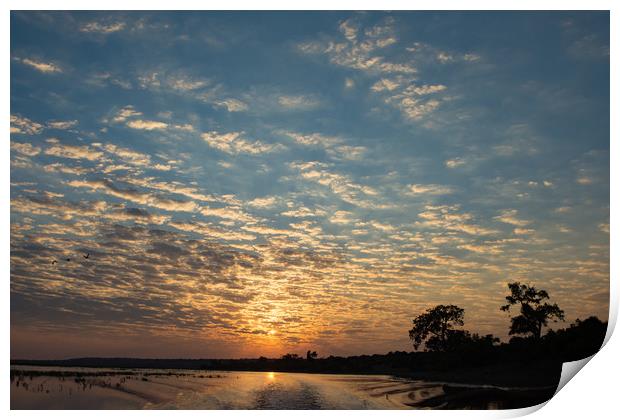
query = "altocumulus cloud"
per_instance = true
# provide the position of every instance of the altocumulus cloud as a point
(148, 125)
(42, 66)
(234, 143)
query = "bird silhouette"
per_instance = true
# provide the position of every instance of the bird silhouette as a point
(68, 259)
(87, 255)
(54, 262)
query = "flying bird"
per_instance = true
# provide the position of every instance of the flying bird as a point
(54, 262)
(87, 255)
(68, 259)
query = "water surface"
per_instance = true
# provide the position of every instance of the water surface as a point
(90, 388)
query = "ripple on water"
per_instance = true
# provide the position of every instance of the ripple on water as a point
(277, 396)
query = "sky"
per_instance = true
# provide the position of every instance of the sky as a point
(250, 184)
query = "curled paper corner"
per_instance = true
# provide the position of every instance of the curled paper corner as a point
(570, 369)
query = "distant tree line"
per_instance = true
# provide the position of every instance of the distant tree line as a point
(310, 355)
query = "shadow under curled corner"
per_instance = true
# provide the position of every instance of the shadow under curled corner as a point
(570, 369)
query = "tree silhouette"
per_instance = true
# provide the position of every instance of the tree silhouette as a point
(310, 355)
(534, 313)
(291, 356)
(435, 327)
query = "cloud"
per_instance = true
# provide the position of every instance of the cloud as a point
(564, 229)
(332, 144)
(383, 85)
(149, 80)
(103, 78)
(266, 230)
(412, 100)
(176, 187)
(231, 104)
(348, 152)
(314, 139)
(26, 149)
(184, 127)
(62, 125)
(589, 47)
(428, 54)
(102, 28)
(229, 213)
(50, 204)
(22, 125)
(447, 218)
(137, 215)
(41, 66)
(135, 196)
(520, 139)
(263, 202)
(349, 29)
(358, 50)
(510, 217)
(429, 189)
(341, 185)
(585, 180)
(298, 101)
(522, 231)
(125, 113)
(132, 157)
(64, 169)
(444, 57)
(302, 212)
(147, 125)
(455, 162)
(482, 249)
(471, 57)
(341, 217)
(385, 227)
(185, 84)
(233, 143)
(72, 152)
(208, 230)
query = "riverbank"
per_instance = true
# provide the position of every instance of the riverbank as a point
(512, 375)
(508, 374)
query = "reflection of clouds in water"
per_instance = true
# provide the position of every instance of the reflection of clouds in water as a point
(48, 388)
(183, 390)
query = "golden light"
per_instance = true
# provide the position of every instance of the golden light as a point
(271, 376)
(272, 332)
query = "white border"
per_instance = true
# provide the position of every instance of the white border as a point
(592, 394)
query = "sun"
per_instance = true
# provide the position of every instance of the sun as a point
(271, 332)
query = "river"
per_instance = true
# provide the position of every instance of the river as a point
(90, 388)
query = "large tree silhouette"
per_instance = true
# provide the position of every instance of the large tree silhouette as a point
(435, 326)
(534, 314)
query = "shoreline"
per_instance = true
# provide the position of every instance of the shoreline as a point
(501, 376)
(411, 391)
